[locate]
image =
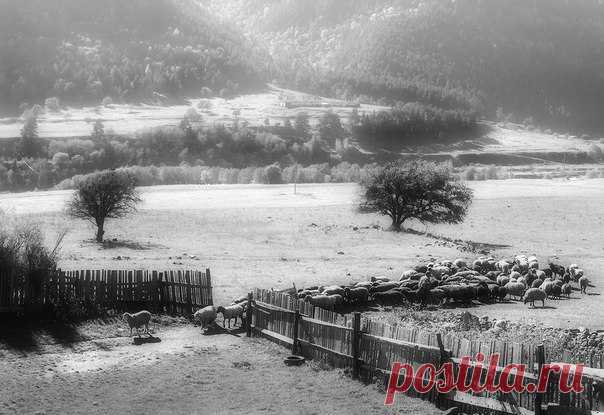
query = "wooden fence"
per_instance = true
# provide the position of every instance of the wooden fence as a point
(171, 291)
(370, 348)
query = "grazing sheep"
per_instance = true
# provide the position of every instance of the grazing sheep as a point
(205, 316)
(503, 280)
(576, 273)
(322, 301)
(137, 320)
(409, 284)
(365, 284)
(333, 289)
(567, 290)
(557, 269)
(515, 289)
(422, 269)
(492, 275)
(387, 286)
(231, 312)
(556, 291)
(482, 291)
(459, 293)
(503, 266)
(583, 283)
(547, 286)
(534, 294)
(337, 299)
(304, 293)
(391, 297)
(494, 290)
(460, 264)
(503, 292)
(409, 274)
(424, 284)
(359, 295)
(438, 272)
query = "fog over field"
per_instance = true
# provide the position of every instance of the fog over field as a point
(260, 206)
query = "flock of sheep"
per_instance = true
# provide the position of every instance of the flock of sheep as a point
(486, 279)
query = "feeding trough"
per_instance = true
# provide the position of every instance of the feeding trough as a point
(294, 360)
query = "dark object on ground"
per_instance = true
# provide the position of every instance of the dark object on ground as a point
(294, 360)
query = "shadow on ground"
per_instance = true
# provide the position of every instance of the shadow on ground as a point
(128, 244)
(27, 336)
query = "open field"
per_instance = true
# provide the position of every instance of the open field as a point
(265, 236)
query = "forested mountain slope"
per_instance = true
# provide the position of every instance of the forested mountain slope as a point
(539, 59)
(82, 51)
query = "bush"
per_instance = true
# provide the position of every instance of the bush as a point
(24, 254)
(273, 174)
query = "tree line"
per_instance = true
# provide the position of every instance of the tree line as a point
(32, 162)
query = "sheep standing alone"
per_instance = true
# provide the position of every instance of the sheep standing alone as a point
(567, 290)
(583, 283)
(205, 316)
(137, 320)
(231, 312)
(534, 294)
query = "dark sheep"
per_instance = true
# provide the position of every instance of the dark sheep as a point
(557, 269)
(391, 297)
(482, 292)
(379, 288)
(459, 293)
(556, 291)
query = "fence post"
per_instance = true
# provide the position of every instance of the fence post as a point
(248, 315)
(538, 395)
(356, 337)
(295, 334)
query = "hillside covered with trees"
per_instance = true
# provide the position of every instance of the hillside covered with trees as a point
(87, 51)
(538, 61)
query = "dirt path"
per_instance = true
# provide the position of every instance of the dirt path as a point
(185, 373)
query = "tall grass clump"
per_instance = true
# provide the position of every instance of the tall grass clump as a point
(26, 259)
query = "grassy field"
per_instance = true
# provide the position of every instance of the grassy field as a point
(267, 236)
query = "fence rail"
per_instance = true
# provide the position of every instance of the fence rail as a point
(170, 291)
(371, 347)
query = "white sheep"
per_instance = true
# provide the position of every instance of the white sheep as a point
(333, 289)
(534, 294)
(323, 301)
(460, 264)
(231, 312)
(515, 289)
(205, 316)
(137, 320)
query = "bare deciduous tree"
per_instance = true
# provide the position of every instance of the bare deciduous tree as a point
(416, 190)
(104, 196)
